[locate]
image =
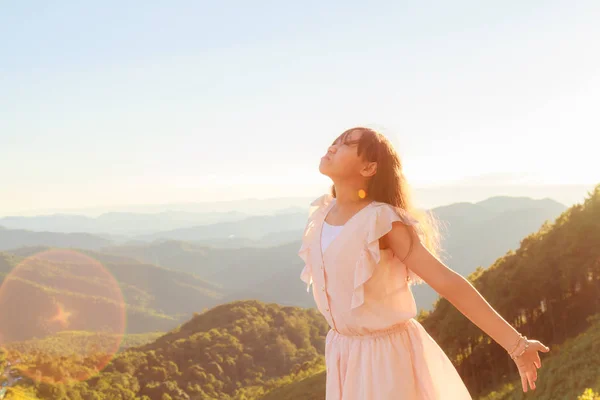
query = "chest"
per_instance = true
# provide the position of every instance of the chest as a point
(329, 234)
(339, 247)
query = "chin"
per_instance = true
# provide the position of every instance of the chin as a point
(323, 169)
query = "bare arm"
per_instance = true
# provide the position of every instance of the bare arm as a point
(460, 293)
(452, 286)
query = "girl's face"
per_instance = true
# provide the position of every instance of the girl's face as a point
(342, 159)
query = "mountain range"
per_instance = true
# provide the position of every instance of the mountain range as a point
(472, 235)
(256, 257)
(46, 290)
(547, 287)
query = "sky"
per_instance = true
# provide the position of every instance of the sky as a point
(119, 103)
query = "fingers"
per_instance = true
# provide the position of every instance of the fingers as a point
(534, 375)
(531, 382)
(542, 347)
(528, 378)
(528, 365)
(528, 373)
(545, 349)
(524, 382)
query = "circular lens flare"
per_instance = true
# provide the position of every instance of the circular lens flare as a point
(62, 317)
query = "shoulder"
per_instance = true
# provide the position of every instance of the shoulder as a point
(386, 214)
(384, 218)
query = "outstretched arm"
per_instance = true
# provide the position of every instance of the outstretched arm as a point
(459, 291)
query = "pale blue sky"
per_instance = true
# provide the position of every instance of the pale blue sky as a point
(103, 103)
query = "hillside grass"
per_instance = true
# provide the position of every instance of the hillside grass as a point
(310, 388)
(566, 373)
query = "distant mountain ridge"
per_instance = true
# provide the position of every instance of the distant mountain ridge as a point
(260, 260)
(155, 298)
(473, 235)
(254, 228)
(119, 223)
(15, 238)
(471, 190)
(149, 219)
(477, 234)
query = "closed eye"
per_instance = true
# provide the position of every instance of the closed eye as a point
(351, 142)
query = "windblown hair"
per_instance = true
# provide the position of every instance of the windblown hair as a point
(389, 184)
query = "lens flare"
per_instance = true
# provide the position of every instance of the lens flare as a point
(62, 316)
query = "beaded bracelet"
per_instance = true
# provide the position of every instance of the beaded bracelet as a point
(516, 344)
(522, 352)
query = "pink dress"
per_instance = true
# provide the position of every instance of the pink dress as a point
(375, 349)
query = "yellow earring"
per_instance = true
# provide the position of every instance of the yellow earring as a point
(362, 194)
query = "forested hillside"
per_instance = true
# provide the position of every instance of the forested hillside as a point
(239, 350)
(548, 288)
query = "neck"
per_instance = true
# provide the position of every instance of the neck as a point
(348, 194)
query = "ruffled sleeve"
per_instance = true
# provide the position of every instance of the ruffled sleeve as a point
(316, 207)
(384, 215)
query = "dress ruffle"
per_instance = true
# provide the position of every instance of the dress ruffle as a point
(381, 223)
(316, 207)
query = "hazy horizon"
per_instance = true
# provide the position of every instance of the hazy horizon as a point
(425, 197)
(100, 108)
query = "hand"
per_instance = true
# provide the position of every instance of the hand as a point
(529, 362)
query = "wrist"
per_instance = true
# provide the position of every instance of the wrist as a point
(519, 347)
(514, 343)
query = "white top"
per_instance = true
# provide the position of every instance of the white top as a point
(329, 233)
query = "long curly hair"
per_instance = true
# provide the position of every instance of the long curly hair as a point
(389, 185)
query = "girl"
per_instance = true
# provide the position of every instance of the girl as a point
(363, 246)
